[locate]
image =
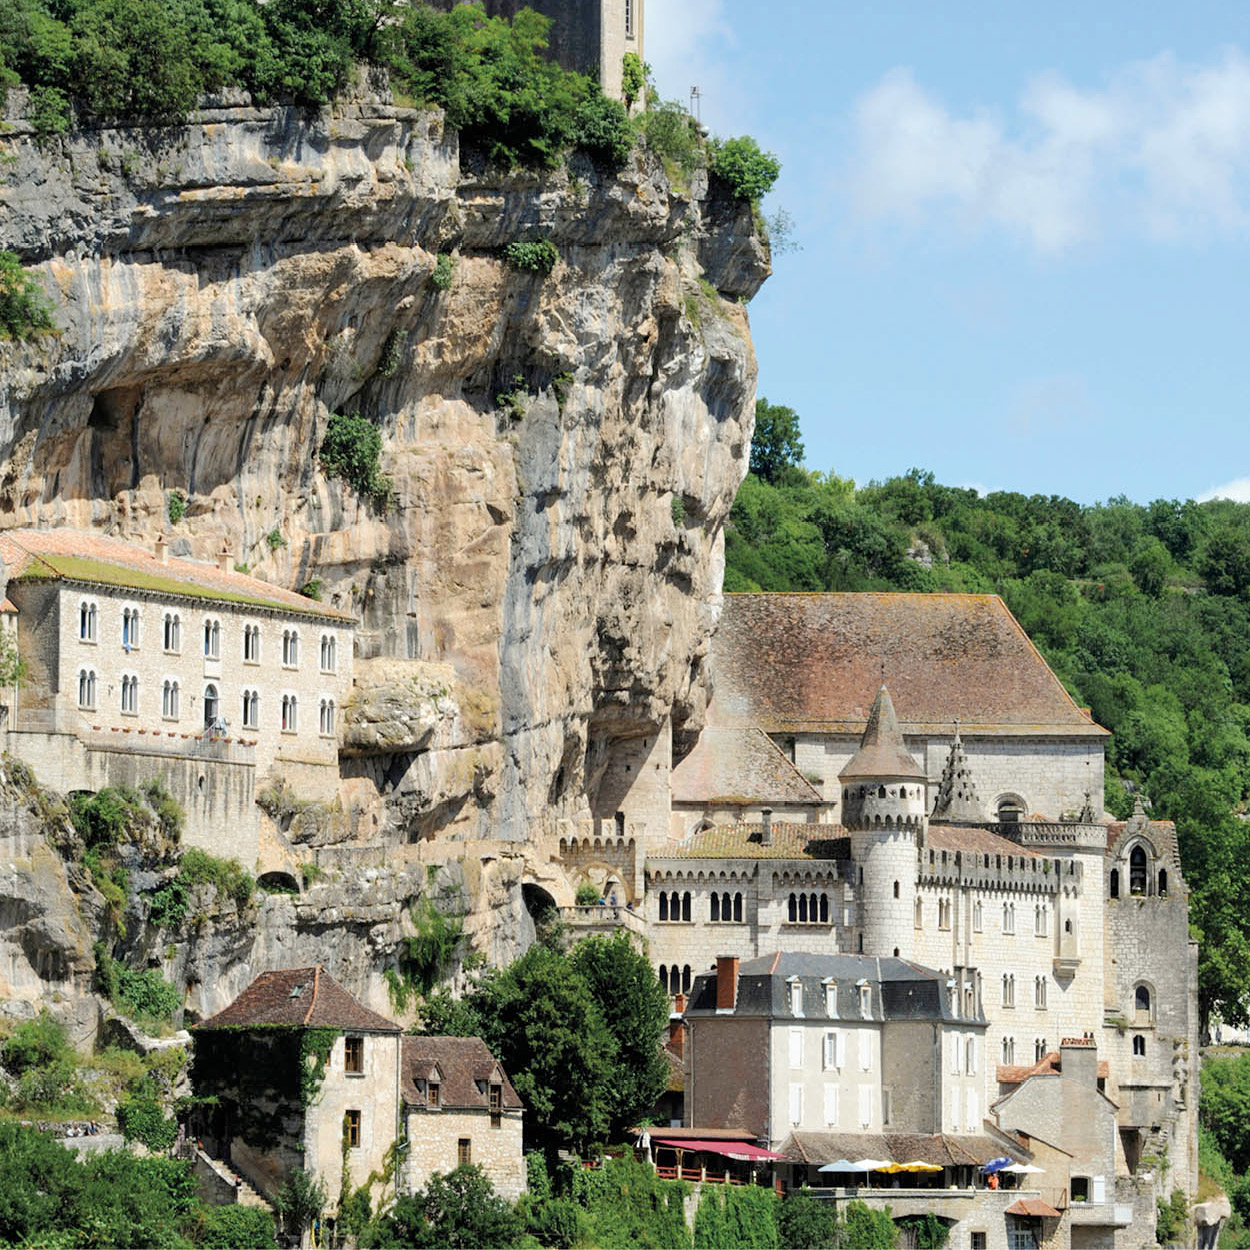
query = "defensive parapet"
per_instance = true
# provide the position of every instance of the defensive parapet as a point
(1026, 873)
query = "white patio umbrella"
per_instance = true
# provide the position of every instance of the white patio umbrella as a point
(872, 1165)
(840, 1165)
(1022, 1169)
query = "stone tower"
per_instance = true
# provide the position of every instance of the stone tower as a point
(884, 805)
(957, 799)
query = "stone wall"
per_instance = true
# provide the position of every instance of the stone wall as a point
(731, 1088)
(434, 1137)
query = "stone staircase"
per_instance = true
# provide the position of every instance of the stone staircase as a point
(227, 1184)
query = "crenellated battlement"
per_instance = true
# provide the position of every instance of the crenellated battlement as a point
(1024, 873)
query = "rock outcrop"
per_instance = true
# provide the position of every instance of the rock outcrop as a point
(564, 450)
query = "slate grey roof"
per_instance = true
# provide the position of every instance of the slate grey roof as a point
(902, 990)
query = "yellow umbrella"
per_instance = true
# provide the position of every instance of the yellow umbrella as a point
(917, 1165)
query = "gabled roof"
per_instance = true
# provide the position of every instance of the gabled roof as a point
(944, 1149)
(302, 998)
(790, 663)
(82, 556)
(788, 841)
(740, 766)
(882, 752)
(462, 1063)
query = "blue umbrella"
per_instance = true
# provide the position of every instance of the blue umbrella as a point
(997, 1165)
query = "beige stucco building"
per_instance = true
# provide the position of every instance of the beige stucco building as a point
(139, 665)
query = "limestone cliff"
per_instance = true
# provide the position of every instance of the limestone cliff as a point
(564, 449)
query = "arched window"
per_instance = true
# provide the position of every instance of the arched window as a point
(663, 914)
(978, 916)
(1039, 1049)
(674, 980)
(86, 689)
(664, 972)
(737, 909)
(802, 909)
(1141, 1003)
(1010, 810)
(1039, 992)
(251, 709)
(328, 650)
(1137, 874)
(130, 628)
(792, 913)
(715, 906)
(251, 644)
(326, 718)
(290, 713)
(290, 648)
(824, 909)
(896, 889)
(1040, 920)
(130, 694)
(1139, 1046)
(88, 619)
(919, 912)
(173, 632)
(212, 639)
(726, 907)
(210, 706)
(1009, 918)
(169, 700)
(685, 905)
(685, 978)
(1163, 882)
(1115, 883)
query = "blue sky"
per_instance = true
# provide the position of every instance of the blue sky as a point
(1025, 233)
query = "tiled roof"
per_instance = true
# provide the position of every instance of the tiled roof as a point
(789, 841)
(462, 1063)
(1033, 1206)
(812, 662)
(300, 997)
(882, 752)
(940, 1148)
(81, 556)
(1048, 1065)
(740, 766)
(978, 841)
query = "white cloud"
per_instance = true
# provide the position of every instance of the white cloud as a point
(1163, 149)
(1237, 490)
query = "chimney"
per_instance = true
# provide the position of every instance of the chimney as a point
(677, 1027)
(726, 982)
(1078, 1061)
(162, 549)
(225, 561)
(766, 827)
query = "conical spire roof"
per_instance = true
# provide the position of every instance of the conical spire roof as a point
(957, 797)
(882, 752)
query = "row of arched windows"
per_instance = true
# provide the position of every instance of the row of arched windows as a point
(675, 905)
(727, 908)
(808, 909)
(88, 690)
(675, 980)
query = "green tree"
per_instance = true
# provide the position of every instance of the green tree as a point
(635, 1009)
(459, 1211)
(805, 1223)
(866, 1229)
(543, 1024)
(749, 171)
(776, 445)
(299, 1202)
(24, 308)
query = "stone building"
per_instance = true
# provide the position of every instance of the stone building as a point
(460, 1107)
(306, 1076)
(590, 36)
(140, 665)
(957, 823)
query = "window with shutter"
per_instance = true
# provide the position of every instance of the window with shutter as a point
(831, 1106)
(796, 1104)
(865, 1106)
(796, 1048)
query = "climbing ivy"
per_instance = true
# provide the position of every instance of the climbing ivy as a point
(314, 1053)
(731, 1218)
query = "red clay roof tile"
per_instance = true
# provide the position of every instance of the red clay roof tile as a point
(462, 1063)
(302, 998)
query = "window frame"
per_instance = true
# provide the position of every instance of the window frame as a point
(354, 1054)
(352, 1130)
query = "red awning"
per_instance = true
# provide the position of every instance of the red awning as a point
(1032, 1206)
(730, 1149)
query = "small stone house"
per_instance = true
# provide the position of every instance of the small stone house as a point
(298, 1067)
(306, 1076)
(460, 1107)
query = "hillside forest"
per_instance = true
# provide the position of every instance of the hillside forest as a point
(1142, 610)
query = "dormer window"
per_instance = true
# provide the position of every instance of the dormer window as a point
(496, 1106)
(796, 996)
(831, 999)
(865, 1001)
(433, 1094)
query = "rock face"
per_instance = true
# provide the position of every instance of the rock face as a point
(564, 449)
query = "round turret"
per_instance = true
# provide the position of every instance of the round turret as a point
(884, 806)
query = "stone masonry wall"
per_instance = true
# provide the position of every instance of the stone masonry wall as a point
(434, 1138)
